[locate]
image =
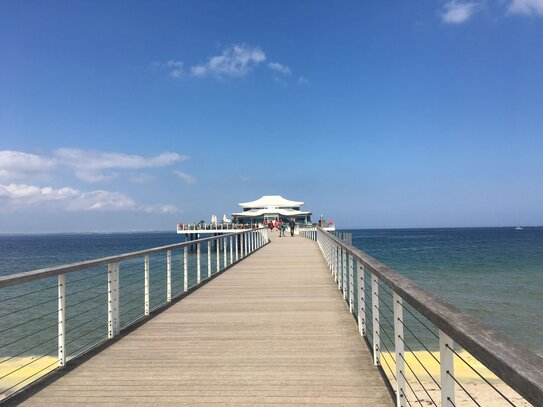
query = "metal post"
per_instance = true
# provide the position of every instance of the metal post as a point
(338, 267)
(209, 258)
(344, 274)
(146, 286)
(237, 245)
(61, 320)
(231, 251)
(399, 348)
(113, 299)
(169, 276)
(446, 361)
(198, 265)
(224, 241)
(361, 299)
(185, 269)
(351, 284)
(218, 252)
(375, 320)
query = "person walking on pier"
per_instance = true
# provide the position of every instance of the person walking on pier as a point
(283, 228)
(292, 224)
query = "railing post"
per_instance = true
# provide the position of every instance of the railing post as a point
(361, 298)
(337, 259)
(245, 244)
(146, 285)
(169, 276)
(237, 245)
(209, 258)
(399, 348)
(61, 320)
(198, 265)
(224, 244)
(113, 299)
(218, 247)
(185, 268)
(344, 273)
(446, 362)
(231, 251)
(376, 337)
(351, 284)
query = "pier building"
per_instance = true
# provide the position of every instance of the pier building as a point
(269, 208)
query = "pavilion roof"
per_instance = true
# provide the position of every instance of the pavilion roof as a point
(271, 201)
(279, 211)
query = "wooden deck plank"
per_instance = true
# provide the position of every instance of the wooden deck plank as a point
(272, 330)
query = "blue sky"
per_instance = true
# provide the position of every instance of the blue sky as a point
(120, 116)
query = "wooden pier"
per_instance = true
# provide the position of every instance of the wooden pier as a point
(273, 329)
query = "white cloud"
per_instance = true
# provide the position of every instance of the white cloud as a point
(175, 68)
(282, 69)
(160, 209)
(198, 70)
(16, 165)
(102, 201)
(526, 7)
(303, 81)
(89, 165)
(457, 12)
(235, 61)
(140, 178)
(20, 196)
(189, 179)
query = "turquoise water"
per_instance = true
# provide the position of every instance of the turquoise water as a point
(493, 274)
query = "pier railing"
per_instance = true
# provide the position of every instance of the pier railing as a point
(219, 227)
(419, 341)
(53, 315)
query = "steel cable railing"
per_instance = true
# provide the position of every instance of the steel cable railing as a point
(93, 300)
(429, 323)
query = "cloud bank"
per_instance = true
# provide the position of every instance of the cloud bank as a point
(90, 166)
(15, 197)
(526, 7)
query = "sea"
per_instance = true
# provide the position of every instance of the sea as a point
(493, 274)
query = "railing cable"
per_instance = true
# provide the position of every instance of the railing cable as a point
(480, 375)
(463, 388)
(29, 293)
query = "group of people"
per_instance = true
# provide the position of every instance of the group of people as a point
(281, 226)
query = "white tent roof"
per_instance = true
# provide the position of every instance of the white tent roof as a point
(274, 201)
(279, 211)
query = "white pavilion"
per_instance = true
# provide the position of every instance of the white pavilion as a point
(271, 207)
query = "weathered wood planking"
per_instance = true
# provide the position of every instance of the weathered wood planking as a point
(272, 330)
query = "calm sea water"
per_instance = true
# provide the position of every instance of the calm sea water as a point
(494, 274)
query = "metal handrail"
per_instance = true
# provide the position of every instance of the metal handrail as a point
(241, 243)
(521, 369)
(39, 274)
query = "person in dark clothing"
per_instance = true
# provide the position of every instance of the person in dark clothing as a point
(292, 224)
